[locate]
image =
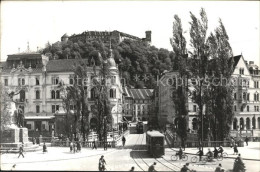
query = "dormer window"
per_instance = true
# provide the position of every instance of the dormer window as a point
(241, 71)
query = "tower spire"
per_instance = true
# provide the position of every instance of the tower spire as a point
(28, 46)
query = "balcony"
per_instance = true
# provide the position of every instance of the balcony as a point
(21, 100)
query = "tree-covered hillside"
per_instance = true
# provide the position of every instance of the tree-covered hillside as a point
(139, 64)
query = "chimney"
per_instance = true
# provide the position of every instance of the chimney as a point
(251, 62)
(246, 62)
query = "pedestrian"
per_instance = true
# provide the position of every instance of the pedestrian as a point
(71, 146)
(219, 168)
(123, 141)
(44, 148)
(34, 140)
(235, 149)
(215, 152)
(80, 146)
(94, 144)
(74, 147)
(239, 165)
(21, 150)
(132, 169)
(77, 143)
(105, 145)
(185, 168)
(246, 140)
(101, 164)
(200, 153)
(152, 167)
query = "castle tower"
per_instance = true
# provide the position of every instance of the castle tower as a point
(64, 38)
(148, 36)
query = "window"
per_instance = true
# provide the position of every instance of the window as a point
(23, 81)
(241, 109)
(112, 93)
(235, 108)
(113, 79)
(55, 80)
(19, 81)
(37, 81)
(55, 108)
(235, 96)
(57, 94)
(257, 108)
(241, 71)
(256, 84)
(248, 96)
(247, 108)
(256, 97)
(53, 94)
(92, 93)
(29, 126)
(194, 108)
(71, 81)
(37, 108)
(37, 94)
(6, 82)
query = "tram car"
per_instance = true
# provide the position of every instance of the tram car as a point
(140, 127)
(155, 143)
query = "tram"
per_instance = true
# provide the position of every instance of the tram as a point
(140, 127)
(155, 143)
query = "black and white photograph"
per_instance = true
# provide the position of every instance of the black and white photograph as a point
(130, 86)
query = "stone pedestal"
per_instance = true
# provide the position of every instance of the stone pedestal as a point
(10, 135)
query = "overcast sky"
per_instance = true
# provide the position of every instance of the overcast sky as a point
(40, 22)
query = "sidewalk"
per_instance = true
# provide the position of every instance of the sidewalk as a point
(250, 152)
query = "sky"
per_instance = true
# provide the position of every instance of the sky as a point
(39, 22)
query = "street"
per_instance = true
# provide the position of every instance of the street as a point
(118, 159)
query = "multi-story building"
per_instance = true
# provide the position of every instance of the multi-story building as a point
(106, 36)
(36, 79)
(246, 100)
(138, 103)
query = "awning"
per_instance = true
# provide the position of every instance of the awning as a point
(38, 117)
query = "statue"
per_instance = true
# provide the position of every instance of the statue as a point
(20, 117)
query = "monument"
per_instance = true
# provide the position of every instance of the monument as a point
(14, 134)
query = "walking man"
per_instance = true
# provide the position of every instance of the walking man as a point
(152, 167)
(94, 144)
(123, 141)
(21, 151)
(246, 140)
(44, 147)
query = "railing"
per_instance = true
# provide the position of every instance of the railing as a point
(87, 144)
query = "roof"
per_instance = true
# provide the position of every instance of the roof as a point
(155, 133)
(27, 55)
(63, 65)
(236, 60)
(138, 93)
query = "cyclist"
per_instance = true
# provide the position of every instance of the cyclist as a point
(221, 150)
(180, 153)
(209, 154)
(101, 164)
(215, 152)
(200, 153)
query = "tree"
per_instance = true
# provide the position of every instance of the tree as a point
(5, 108)
(180, 97)
(221, 66)
(77, 95)
(199, 64)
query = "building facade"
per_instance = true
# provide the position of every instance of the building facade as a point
(246, 119)
(35, 79)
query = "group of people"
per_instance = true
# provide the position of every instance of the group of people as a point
(75, 146)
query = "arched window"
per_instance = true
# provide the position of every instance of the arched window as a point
(112, 93)
(37, 94)
(92, 93)
(53, 94)
(256, 97)
(253, 123)
(57, 94)
(241, 124)
(235, 124)
(22, 96)
(194, 124)
(248, 126)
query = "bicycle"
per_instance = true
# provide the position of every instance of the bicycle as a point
(195, 159)
(184, 157)
(224, 154)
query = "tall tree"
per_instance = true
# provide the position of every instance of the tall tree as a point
(5, 108)
(180, 91)
(221, 66)
(199, 65)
